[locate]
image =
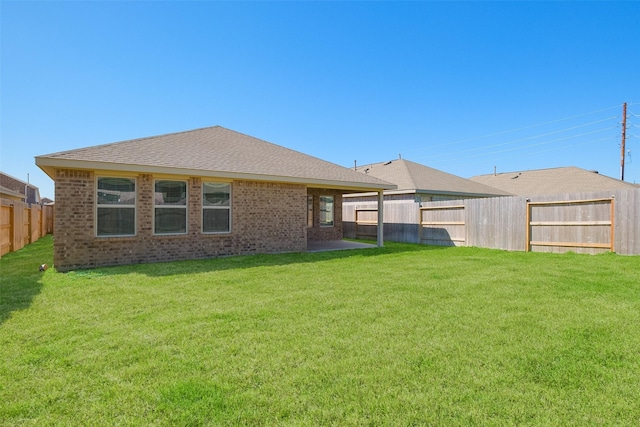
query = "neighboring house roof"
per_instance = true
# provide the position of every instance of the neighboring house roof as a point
(8, 193)
(552, 181)
(417, 178)
(216, 152)
(17, 188)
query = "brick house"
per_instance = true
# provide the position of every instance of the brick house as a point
(196, 194)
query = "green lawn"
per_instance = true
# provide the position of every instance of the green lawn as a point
(402, 335)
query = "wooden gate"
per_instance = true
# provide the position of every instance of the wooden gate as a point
(570, 224)
(366, 221)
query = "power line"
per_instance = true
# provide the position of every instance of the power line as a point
(520, 147)
(537, 136)
(607, 138)
(514, 130)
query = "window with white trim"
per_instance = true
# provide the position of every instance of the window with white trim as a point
(326, 211)
(216, 207)
(170, 207)
(310, 210)
(116, 206)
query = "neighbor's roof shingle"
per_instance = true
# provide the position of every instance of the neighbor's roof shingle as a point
(411, 176)
(563, 180)
(212, 151)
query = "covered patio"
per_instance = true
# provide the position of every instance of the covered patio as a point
(336, 245)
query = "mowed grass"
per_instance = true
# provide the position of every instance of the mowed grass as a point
(401, 335)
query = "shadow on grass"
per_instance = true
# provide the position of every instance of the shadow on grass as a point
(253, 261)
(20, 277)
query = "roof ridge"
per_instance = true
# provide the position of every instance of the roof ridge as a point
(405, 166)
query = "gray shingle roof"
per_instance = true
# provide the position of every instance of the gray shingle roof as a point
(212, 151)
(415, 177)
(563, 180)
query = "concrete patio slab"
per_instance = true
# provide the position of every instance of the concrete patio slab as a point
(336, 245)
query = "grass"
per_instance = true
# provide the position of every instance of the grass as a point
(402, 335)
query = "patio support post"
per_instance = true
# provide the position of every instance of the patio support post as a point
(380, 218)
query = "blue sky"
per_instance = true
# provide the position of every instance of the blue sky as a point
(459, 86)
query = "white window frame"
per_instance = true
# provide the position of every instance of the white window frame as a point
(323, 211)
(99, 206)
(310, 210)
(207, 207)
(171, 206)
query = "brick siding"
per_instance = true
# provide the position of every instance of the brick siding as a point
(317, 233)
(266, 218)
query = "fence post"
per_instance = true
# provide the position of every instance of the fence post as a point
(41, 221)
(612, 232)
(527, 234)
(380, 218)
(419, 223)
(12, 227)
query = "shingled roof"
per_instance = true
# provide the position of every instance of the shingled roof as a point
(563, 180)
(216, 152)
(417, 178)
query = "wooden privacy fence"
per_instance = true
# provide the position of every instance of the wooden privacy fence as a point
(442, 225)
(571, 224)
(22, 223)
(366, 222)
(582, 222)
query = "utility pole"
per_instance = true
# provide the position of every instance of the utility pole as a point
(624, 139)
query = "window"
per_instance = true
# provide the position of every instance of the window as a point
(170, 207)
(309, 211)
(216, 207)
(116, 207)
(326, 211)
